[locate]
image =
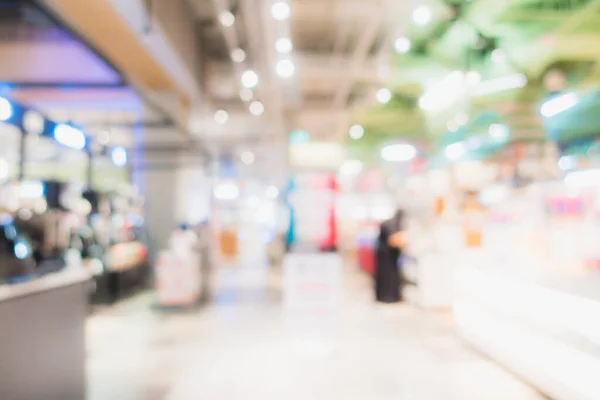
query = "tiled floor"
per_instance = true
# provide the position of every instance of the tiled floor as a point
(247, 346)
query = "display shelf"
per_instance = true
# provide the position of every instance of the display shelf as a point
(544, 329)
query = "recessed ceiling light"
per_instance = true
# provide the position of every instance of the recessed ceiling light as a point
(399, 152)
(422, 15)
(284, 45)
(402, 45)
(249, 79)
(226, 191)
(280, 11)
(384, 96)
(119, 156)
(238, 55)
(227, 18)
(257, 108)
(246, 94)
(499, 131)
(356, 132)
(221, 117)
(351, 167)
(70, 136)
(559, 104)
(285, 68)
(455, 151)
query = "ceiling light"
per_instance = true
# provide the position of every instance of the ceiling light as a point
(384, 96)
(402, 45)
(247, 157)
(272, 192)
(238, 55)
(422, 15)
(226, 191)
(246, 94)
(249, 79)
(559, 104)
(473, 77)
(280, 11)
(33, 122)
(399, 152)
(455, 150)
(227, 18)
(6, 109)
(257, 108)
(566, 163)
(351, 168)
(284, 45)
(221, 117)
(514, 81)
(445, 93)
(69, 136)
(285, 68)
(118, 156)
(356, 132)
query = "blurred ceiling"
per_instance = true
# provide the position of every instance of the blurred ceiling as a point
(342, 52)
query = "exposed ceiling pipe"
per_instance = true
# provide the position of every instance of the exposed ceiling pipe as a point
(361, 51)
(341, 38)
(230, 36)
(261, 43)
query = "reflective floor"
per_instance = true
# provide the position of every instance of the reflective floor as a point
(246, 345)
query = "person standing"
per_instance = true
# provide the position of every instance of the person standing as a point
(388, 279)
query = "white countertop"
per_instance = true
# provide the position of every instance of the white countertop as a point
(66, 277)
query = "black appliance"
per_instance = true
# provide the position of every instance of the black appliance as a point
(16, 255)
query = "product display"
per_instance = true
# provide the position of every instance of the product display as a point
(526, 296)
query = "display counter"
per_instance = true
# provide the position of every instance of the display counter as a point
(128, 272)
(544, 329)
(42, 338)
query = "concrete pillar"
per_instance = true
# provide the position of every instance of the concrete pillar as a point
(159, 186)
(177, 188)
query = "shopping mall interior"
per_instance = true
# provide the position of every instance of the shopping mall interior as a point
(299, 199)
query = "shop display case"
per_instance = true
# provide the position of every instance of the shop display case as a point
(529, 296)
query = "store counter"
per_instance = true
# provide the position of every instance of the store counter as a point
(42, 337)
(544, 329)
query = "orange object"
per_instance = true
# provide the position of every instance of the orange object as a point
(229, 244)
(472, 239)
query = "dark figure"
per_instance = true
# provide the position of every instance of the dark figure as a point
(388, 279)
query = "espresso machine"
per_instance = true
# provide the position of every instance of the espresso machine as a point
(16, 255)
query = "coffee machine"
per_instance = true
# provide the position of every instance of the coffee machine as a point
(16, 254)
